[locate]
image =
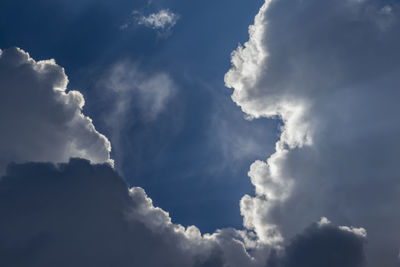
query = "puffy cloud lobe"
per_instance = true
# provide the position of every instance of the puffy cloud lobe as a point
(41, 120)
(323, 244)
(329, 71)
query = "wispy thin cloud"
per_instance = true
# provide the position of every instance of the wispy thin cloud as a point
(162, 21)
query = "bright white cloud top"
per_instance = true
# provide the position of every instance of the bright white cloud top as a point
(42, 120)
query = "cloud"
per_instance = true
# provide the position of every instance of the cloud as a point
(330, 72)
(83, 214)
(42, 120)
(163, 20)
(132, 88)
(78, 214)
(133, 96)
(323, 244)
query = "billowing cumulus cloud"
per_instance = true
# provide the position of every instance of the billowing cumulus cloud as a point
(40, 119)
(330, 71)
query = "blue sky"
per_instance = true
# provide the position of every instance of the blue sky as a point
(178, 158)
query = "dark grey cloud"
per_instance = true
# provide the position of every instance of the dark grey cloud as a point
(78, 214)
(40, 119)
(322, 244)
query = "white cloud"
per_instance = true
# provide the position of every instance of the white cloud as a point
(162, 21)
(41, 120)
(330, 72)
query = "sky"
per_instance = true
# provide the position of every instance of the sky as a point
(176, 154)
(199, 133)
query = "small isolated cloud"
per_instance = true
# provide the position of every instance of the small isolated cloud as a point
(163, 21)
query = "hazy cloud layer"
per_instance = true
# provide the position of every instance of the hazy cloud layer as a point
(130, 88)
(330, 71)
(40, 119)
